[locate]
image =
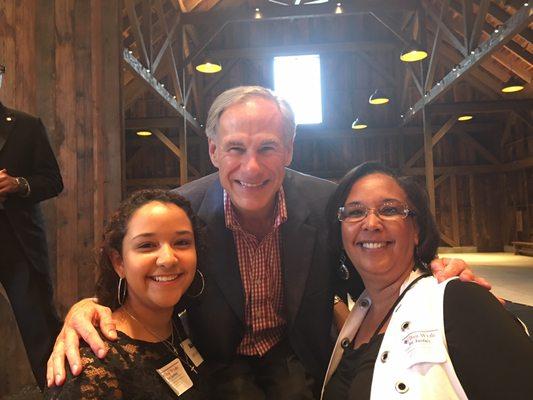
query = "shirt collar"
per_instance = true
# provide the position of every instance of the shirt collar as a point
(232, 222)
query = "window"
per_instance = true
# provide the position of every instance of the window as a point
(297, 80)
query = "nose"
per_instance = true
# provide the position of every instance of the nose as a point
(251, 164)
(166, 257)
(372, 222)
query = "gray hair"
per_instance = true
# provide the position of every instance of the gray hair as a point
(241, 93)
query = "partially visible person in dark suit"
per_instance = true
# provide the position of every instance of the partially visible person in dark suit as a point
(29, 174)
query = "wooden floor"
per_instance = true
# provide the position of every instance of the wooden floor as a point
(511, 275)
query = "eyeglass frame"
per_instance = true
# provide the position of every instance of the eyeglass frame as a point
(374, 210)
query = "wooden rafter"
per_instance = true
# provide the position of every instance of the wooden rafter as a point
(480, 149)
(478, 23)
(137, 33)
(435, 49)
(515, 24)
(434, 140)
(467, 24)
(149, 80)
(489, 106)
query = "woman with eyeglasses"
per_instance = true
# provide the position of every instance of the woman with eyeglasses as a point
(147, 265)
(408, 336)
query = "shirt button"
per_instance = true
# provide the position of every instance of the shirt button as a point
(401, 387)
(364, 303)
(405, 326)
(384, 356)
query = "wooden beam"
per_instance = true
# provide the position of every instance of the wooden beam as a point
(261, 52)
(455, 210)
(467, 23)
(515, 24)
(474, 144)
(415, 79)
(434, 50)
(490, 106)
(168, 40)
(270, 12)
(479, 23)
(434, 140)
(148, 79)
(428, 159)
(137, 33)
(475, 169)
(442, 26)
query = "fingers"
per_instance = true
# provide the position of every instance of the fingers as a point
(437, 267)
(90, 335)
(107, 325)
(72, 346)
(55, 367)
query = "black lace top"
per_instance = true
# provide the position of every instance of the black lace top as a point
(129, 372)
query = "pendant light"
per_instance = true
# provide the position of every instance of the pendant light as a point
(513, 85)
(413, 52)
(378, 97)
(359, 123)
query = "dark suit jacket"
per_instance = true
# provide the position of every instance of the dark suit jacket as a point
(217, 319)
(25, 151)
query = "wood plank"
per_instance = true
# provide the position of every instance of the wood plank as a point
(473, 210)
(474, 144)
(455, 210)
(478, 23)
(151, 82)
(489, 106)
(428, 160)
(467, 23)
(137, 33)
(67, 276)
(435, 139)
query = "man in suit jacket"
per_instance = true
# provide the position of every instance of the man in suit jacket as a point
(29, 174)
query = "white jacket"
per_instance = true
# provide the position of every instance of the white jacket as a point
(413, 360)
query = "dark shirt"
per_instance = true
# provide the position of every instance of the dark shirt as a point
(491, 354)
(129, 372)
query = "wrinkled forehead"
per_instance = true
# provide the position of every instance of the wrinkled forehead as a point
(252, 114)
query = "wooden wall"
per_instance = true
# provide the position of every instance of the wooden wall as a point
(63, 64)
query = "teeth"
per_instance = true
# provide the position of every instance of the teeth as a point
(373, 245)
(250, 185)
(164, 278)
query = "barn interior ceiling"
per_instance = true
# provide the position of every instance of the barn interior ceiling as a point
(474, 48)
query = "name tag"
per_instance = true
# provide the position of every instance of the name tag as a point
(191, 352)
(424, 347)
(176, 377)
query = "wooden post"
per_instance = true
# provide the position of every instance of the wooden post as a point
(428, 158)
(473, 209)
(455, 210)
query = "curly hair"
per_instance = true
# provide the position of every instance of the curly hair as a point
(116, 228)
(417, 197)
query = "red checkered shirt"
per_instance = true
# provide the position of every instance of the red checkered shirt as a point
(260, 267)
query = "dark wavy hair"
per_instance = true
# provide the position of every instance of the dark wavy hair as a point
(115, 230)
(417, 197)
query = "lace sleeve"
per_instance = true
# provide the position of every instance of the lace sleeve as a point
(97, 380)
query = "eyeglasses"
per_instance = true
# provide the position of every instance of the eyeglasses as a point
(388, 211)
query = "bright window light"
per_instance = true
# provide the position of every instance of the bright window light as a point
(297, 80)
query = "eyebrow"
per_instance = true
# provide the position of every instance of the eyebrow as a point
(151, 234)
(357, 202)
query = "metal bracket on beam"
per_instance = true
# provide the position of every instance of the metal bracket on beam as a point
(514, 25)
(144, 74)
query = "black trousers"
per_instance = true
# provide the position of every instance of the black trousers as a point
(31, 296)
(278, 375)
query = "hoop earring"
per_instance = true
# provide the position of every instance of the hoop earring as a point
(203, 285)
(343, 272)
(122, 291)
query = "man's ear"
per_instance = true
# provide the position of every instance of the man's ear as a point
(118, 263)
(213, 151)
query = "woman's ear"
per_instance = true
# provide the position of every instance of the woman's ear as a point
(118, 263)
